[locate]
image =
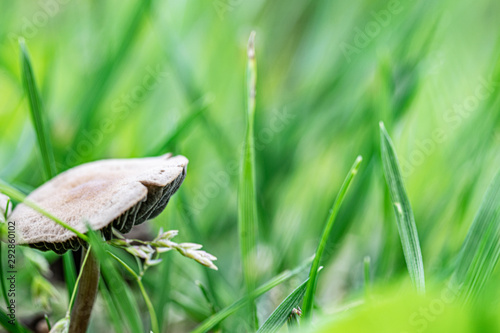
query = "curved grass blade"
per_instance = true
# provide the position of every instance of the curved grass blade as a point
(313, 274)
(18, 196)
(37, 113)
(91, 99)
(17, 328)
(198, 108)
(226, 312)
(111, 308)
(5, 320)
(196, 311)
(404, 214)
(209, 298)
(247, 205)
(119, 291)
(283, 311)
(147, 300)
(68, 262)
(2, 230)
(69, 270)
(162, 302)
(43, 137)
(481, 249)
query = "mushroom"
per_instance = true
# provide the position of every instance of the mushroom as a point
(105, 195)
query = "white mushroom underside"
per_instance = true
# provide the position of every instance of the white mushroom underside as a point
(96, 193)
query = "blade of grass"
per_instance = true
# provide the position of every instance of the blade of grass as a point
(47, 320)
(481, 249)
(68, 263)
(73, 293)
(147, 300)
(402, 209)
(198, 109)
(2, 282)
(163, 295)
(43, 137)
(240, 303)
(17, 328)
(114, 281)
(2, 232)
(69, 269)
(283, 311)
(37, 113)
(208, 297)
(313, 274)
(4, 318)
(111, 308)
(188, 218)
(89, 105)
(247, 206)
(18, 196)
(195, 310)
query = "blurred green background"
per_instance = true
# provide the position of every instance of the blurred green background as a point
(124, 79)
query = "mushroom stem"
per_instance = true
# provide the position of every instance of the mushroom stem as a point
(86, 294)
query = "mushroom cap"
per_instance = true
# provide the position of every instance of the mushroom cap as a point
(105, 194)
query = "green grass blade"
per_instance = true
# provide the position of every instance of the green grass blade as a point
(2, 234)
(73, 294)
(147, 300)
(42, 130)
(283, 311)
(4, 321)
(68, 263)
(89, 105)
(247, 205)
(239, 304)
(402, 209)
(207, 296)
(119, 290)
(188, 217)
(183, 125)
(2, 282)
(196, 311)
(481, 249)
(37, 113)
(313, 274)
(111, 309)
(163, 295)
(17, 195)
(69, 269)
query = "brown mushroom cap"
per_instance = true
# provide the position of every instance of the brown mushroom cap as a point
(106, 194)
